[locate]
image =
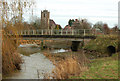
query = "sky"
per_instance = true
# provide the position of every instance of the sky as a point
(92, 10)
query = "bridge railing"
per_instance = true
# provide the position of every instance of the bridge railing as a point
(83, 32)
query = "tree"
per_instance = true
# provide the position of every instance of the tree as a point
(115, 30)
(81, 24)
(35, 22)
(70, 22)
(98, 25)
(106, 29)
(85, 24)
(9, 9)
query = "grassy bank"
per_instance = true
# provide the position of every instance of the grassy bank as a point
(102, 68)
(101, 43)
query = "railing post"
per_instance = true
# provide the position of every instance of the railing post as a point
(84, 32)
(21, 32)
(28, 32)
(95, 32)
(61, 31)
(24, 32)
(72, 32)
(32, 32)
(42, 32)
(51, 32)
(66, 32)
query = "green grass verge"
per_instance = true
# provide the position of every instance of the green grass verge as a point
(102, 68)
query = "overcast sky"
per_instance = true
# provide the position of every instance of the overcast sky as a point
(93, 10)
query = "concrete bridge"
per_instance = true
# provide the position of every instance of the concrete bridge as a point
(58, 34)
(76, 36)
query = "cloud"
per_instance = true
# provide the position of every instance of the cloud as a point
(62, 10)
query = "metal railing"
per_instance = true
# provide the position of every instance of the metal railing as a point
(83, 32)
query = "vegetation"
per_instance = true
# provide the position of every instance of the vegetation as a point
(68, 67)
(10, 58)
(102, 68)
(101, 43)
(11, 21)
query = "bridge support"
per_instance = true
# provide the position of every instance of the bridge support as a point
(75, 45)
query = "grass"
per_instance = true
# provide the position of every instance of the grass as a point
(102, 68)
(101, 43)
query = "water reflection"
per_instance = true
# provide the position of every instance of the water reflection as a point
(59, 51)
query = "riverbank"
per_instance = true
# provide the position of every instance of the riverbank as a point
(102, 68)
(97, 68)
(68, 63)
(98, 64)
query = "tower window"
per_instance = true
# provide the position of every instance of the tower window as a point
(44, 15)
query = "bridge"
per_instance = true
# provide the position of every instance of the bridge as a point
(55, 34)
(76, 36)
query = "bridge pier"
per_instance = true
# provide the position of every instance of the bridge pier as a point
(75, 45)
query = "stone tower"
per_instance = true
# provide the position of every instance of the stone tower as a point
(45, 18)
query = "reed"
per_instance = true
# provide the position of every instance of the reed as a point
(67, 68)
(10, 58)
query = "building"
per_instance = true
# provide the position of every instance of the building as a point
(52, 24)
(46, 22)
(45, 19)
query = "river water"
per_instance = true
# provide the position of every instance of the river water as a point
(35, 65)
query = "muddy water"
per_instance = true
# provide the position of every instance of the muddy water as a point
(35, 65)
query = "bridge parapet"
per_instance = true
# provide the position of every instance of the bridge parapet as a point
(82, 32)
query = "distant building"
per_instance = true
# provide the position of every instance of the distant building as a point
(67, 27)
(46, 22)
(52, 24)
(45, 19)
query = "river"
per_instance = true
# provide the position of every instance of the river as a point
(35, 65)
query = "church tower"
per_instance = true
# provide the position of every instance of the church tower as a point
(45, 18)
